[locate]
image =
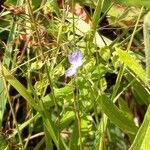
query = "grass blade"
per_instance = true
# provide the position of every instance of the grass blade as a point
(117, 117)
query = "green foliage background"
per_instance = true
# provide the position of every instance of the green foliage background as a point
(105, 105)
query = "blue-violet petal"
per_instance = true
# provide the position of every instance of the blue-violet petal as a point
(70, 71)
(76, 59)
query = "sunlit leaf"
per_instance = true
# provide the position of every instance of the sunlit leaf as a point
(132, 64)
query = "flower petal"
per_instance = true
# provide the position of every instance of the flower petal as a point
(70, 71)
(76, 59)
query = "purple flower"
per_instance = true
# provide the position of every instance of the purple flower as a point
(76, 60)
(70, 71)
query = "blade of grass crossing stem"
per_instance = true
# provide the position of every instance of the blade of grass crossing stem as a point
(18, 86)
(25, 124)
(13, 114)
(6, 62)
(39, 144)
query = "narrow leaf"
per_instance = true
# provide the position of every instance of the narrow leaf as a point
(117, 116)
(132, 64)
(141, 141)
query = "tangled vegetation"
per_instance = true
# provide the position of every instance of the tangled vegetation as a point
(74, 74)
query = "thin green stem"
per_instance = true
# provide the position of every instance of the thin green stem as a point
(12, 111)
(77, 113)
(56, 140)
(95, 19)
(76, 96)
(73, 24)
(147, 45)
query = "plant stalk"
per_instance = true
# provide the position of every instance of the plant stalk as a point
(146, 31)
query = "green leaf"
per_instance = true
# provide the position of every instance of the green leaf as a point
(125, 109)
(139, 89)
(73, 145)
(37, 65)
(132, 64)
(67, 118)
(117, 116)
(141, 141)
